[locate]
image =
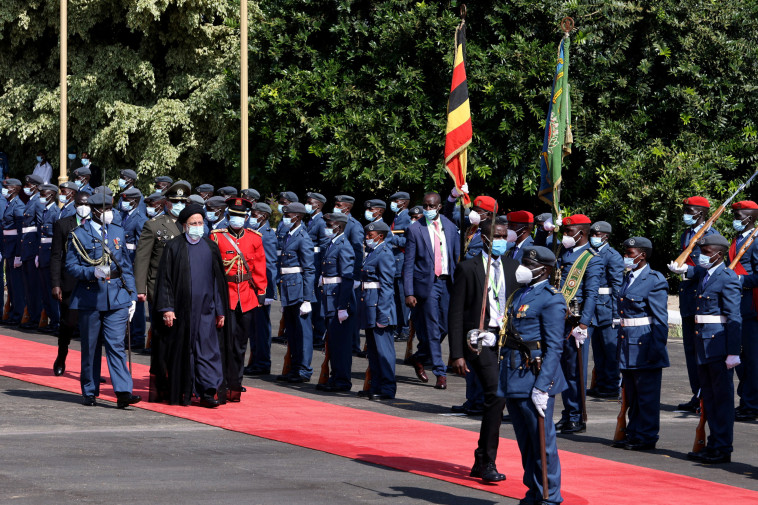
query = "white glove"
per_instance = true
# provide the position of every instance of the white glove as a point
(539, 399)
(103, 272)
(17, 262)
(615, 323)
(36, 261)
(268, 301)
(674, 267)
(732, 361)
(381, 325)
(455, 193)
(342, 315)
(356, 285)
(305, 308)
(320, 280)
(488, 338)
(558, 222)
(473, 337)
(579, 335)
(132, 308)
(548, 226)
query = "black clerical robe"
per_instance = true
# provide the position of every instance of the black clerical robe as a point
(185, 357)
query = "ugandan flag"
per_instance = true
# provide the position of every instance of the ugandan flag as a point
(459, 132)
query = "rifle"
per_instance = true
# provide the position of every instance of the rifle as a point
(699, 444)
(323, 378)
(411, 335)
(485, 301)
(367, 377)
(620, 433)
(682, 259)
(129, 344)
(745, 246)
(593, 381)
(575, 313)
(287, 366)
(537, 364)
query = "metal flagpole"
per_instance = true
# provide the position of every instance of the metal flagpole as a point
(63, 177)
(243, 94)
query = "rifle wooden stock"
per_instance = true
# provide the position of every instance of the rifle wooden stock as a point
(745, 246)
(620, 433)
(7, 308)
(323, 378)
(593, 380)
(682, 259)
(411, 335)
(582, 386)
(287, 366)
(398, 232)
(281, 327)
(367, 379)
(699, 444)
(543, 456)
(149, 339)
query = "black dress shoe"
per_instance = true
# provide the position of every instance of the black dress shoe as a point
(639, 446)
(260, 371)
(123, 400)
(572, 427)
(490, 473)
(696, 456)
(507, 418)
(619, 444)
(335, 389)
(606, 394)
(458, 409)
(476, 410)
(378, 397)
(298, 379)
(28, 326)
(59, 366)
(89, 401)
(560, 424)
(745, 414)
(691, 406)
(208, 401)
(102, 380)
(283, 378)
(360, 354)
(715, 457)
(364, 394)
(400, 337)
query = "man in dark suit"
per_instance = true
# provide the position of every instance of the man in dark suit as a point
(61, 281)
(465, 314)
(431, 253)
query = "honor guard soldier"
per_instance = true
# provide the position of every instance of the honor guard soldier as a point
(314, 203)
(227, 191)
(285, 198)
(522, 224)
(105, 298)
(215, 214)
(376, 310)
(581, 273)
(343, 204)
(48, 213)
(336, 291)
(544, 227)
(245, 267)
(745, 214)
(531, 372)
(251, 194)
(718, 338)
(295, 277)
(81, 179)
(695, 213)
(13, 223)
(132, 221)
(155, 235)
(604, 331)
(374, 210)
(643, 309)
(66, 197)
(260, 338)
(205, 191)
(29, 250)
(482, 209)
(62, 282)
(163, 182)
(399, 205)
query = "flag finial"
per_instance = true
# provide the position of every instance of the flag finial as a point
(463, 13)
(567, 23)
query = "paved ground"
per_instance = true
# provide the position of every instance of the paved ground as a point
(52, 453)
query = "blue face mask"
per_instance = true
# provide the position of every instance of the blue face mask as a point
(72, 156)
(151, 212)
(79, 183)
(6, 192)
(499, 247)
(393, 207)
(85, 162)
(368, 215)
(195, 232)
(253, 221)
(237, 222)
(430, 214)
(176, 208)
(596, 242)
(629, 263)
(281, 208)
(337, 210)
(127, 206)
(309, 208)
(738, 225)
(704, 260)
(122, 183)
(62, 198)
(39, 159)
(689, 219)
(211, 216)
(28, 191)
(329, 232)
(287, 221)
(371, 243)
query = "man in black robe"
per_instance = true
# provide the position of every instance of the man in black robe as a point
(191, 302)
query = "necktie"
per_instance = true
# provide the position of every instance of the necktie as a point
(705, 281)
(437, 250)
(514, 252)
(627, 281)
(740, 241)
(501, 292)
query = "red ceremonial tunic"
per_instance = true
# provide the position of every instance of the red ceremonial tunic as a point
(250, 245)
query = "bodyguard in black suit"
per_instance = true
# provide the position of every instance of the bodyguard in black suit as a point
(464, 315)
(61, 281)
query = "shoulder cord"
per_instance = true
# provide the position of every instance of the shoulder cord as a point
(79, 247)
(228, 264)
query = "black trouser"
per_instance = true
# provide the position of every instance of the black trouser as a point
(68, 324)
(487, 368)
(241, 325)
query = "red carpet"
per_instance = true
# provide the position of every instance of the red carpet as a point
(440, 452)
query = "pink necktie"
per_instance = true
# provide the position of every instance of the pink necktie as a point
(437, 250)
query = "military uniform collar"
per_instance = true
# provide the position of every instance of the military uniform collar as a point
(293, 230)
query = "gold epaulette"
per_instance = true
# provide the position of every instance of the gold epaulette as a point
(255, 231)
(219, 230)
(554, 290)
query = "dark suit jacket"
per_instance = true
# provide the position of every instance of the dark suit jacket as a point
(418, 268)
(466, 300)
(58, 275)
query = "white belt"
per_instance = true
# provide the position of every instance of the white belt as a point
(10, 232)
(637, 321)
(131, 247)
(710, 319)
(291, 270)
(604, 291)
(278, 253)
(331, 280)
(29, 229)
(370, 285)
(316, 249)
(46, 240)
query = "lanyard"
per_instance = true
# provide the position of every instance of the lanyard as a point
(495, 288)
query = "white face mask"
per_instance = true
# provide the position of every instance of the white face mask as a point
(107, 217)
(523, 275)
(83, 211)
(474, 218)
(569, 242)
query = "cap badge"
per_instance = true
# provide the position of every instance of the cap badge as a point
(180, 192)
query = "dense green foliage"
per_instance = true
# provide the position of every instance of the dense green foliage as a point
(350, 95)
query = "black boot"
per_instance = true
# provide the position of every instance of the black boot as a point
(476, 470)
(59, 366)
(123, 400)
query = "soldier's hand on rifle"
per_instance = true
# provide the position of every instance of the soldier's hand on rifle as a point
(132, 308)
(674, 267)
(17, 262)
(305, 308)
(219, 322)
(410, 301)
(488, 338)
(342, 315)
(579, 334)
(732, 361)
(459, 366)
(356, 284)
(103, 272)
(141, 297)
(168, 318)
(539, 399)
(548, 226)
(268, 301)
(616, 323)
(58, 294)
(36, 261)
